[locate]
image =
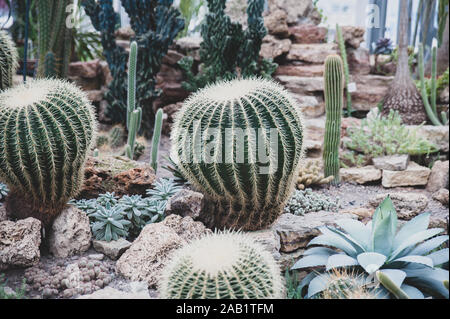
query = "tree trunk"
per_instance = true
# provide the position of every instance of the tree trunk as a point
(403, 95)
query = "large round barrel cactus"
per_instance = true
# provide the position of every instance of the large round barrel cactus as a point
(240, 143)
(47, 128)
(222, 266)
(334, 96)
(8, 60)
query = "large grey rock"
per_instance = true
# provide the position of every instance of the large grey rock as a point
(19, 243)
(136, 290)
(297, 10)
(310, 105)
(353, 36)
(3, 214)
(113, 249)
(302, 85)
(414, 175)
(297, 231)
(269, 239)
(273, 47)
(439, 176)
(311, 53)
(392, 163)
(70, 233)
(185, 203)
(276, 23)
(360, 175)
(442, 196)
(407, 205)
(438, 135)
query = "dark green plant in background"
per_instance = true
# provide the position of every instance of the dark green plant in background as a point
(8, 60)
(156, 24)
(228, 51)
(17, 30)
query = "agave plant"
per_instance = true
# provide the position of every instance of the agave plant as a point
(400, 263)
(4, 190)
(163, 190)
(110, 223)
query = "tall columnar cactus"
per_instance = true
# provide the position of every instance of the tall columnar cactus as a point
(55, 38)
(8, 60)
(431, 110)
(334, 95)
(240, 142)
(156, 24)
(47, 128)
(343, 51)
(222, 266)
(156, 139)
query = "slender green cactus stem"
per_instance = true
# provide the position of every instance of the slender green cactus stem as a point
(391, 286)
(433, 78)
(334, 96)
(131, 81)
(432, 114)
(156, 139)
(341, 43)
(132, 132)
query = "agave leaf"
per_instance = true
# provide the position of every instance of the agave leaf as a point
(416, 259)
(429, 280)
(429, 245)
(317, 285)
(356, 230)
(439, 257)
(340, 260)
(311, 261)
(412, 292)
(385, 210)
(305, 281)
(391, 279)
(334, 240)
(397, 276)
(415, 225)
(319, 251)
(383, 236)
(371, 262)
(415, 239)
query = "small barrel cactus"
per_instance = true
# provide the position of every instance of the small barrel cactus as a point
(334, 95)
(248, 171)
(222, 266)
(47, 128)
(8, 60)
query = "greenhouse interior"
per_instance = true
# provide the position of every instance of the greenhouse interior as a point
(224, 149)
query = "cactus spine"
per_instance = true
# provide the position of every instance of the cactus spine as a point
(156, 139)
(333, 105)
(222, 266)
(431, 110)
(341, 43)
(244, 187)
(342, 284)
(47, 129)
(8, 60)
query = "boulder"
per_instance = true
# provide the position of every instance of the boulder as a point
(302, 70)
(438, 135)
(276, 23)
(134, 290)
(392, 162)
(113, 249)
(298, 11)
(358, 61)
(414, 175)
(439, 176)
(70, 233)
(310, 105)
(185, 227)
(269, 239)
(444, 96)
(360, 175)
(439, 219)
(407, 204)
(88, 70)
(353, 36)
(273, 47)
(370, 90)
(19, 243)
(185, 203)
(297, 231)
(361, 212)
(308, 33)
(302, 85)
(3, 214)
(311, 53)
(94, 95)
(441, 196)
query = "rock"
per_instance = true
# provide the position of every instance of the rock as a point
(441, 196)
(359, 61)
(269, 239)
(185, 203)
(370, 90)
(113, 249)
(437, 135)
(87, 84)
(392, 163)
(276, 23)
(310, 106)
(302, 70)
(439, 176)
(308, 33)
(19, 243)
(360, 175)
(3, 214)
(273, 47)
(169, 117)
(439, 219)
(311, 53)
(407, 205)
(106, 73)
(444, 96)
(89, 70)
(361, 212)
(297, 10)
(188, 44)
(95, 95)
(353, 36)
(150, 252)
(414, 175)
(302, 85)
(172, 57)
(116, 174)
(70, 233)
(96, 256)
(136, 290)
(124, 33)
(297, 231)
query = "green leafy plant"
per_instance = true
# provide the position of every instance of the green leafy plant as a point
(307, 201)
(110, 223)
(8, 60)
(163, 190)
(406, 257)
(292, 283)
(108, 199)
(4, 190)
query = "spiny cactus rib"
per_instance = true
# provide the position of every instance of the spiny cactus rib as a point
(238, 194)
(156, 139)
(47, 127)
(341, 43)
(222, 266)
(131, 81)
(333, 105)
(8, 60)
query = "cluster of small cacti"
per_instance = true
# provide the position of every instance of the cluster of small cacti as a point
(311, 173)
(341, 43)
(48, 127)
(244, 190)
(307, 201)
(333, 92)
(8, 60)
(344, 285)
(222, 266)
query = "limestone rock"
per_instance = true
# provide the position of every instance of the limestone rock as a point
(19, 243)
(273, 47)
(311, 53)
(276, 23)
(439, 219)
(353, 36)
(361, 212)
(310, 105)
(308, 33)
(89, 69)
(70, 233)
(298, 11)
(444, 96)
(302, 85)
(113, 249)
(439, 176)
(3, 214)
(269, 239)
(441, 196)
(136, 290)
(359, 61)
(392, 163)
(185, 203)
(407, 205)
(302, 70)
(438, 135)
(414, 175)
(360, 175)
(185, 227)
(370, 89)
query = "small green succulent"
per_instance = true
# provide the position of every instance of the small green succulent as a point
(110, 223)
(163, 190)
(307, 201)
(107, 199)
(4, 190)
(402, 263)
